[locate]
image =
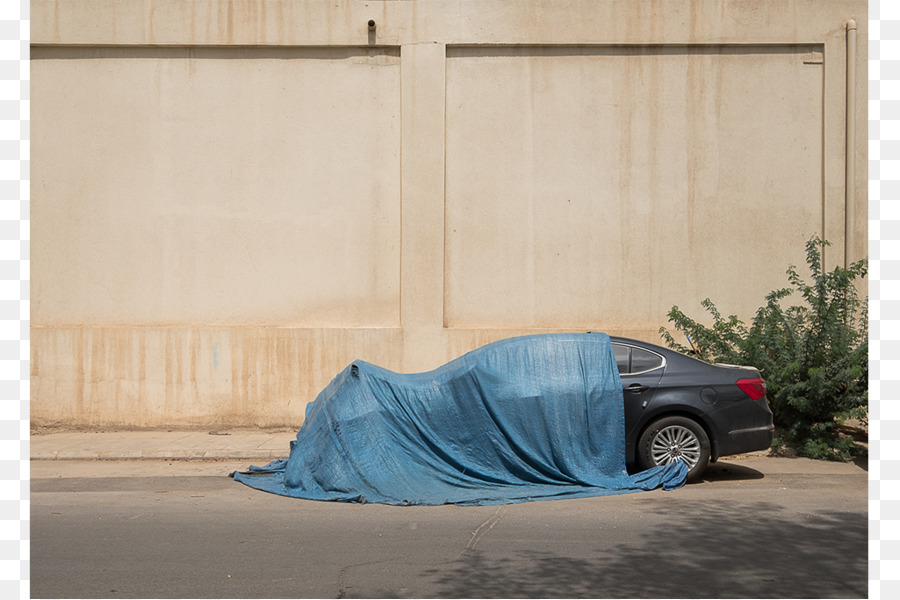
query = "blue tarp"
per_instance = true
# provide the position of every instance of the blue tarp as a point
(527, 418)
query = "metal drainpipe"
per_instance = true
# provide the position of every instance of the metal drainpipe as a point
(850, 160)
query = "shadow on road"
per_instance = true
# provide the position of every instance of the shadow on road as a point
(746, 551)
(729, 471)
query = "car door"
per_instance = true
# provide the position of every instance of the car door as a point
(640, 371)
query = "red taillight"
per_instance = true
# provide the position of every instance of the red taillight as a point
(755, 388)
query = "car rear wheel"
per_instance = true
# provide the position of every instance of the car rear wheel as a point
(675, 438)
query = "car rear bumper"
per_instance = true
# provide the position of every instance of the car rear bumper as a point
(745, 440)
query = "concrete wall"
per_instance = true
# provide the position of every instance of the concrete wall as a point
(233, 200)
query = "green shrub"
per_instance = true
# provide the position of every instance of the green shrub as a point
(813, 353)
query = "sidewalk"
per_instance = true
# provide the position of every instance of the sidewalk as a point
(260, 447)
(172, 445)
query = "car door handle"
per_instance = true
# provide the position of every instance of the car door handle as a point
(637, 388)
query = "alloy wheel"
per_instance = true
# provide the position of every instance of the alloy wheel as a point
(675, 443)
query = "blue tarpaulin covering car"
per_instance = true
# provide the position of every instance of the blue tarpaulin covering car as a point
(527, 418)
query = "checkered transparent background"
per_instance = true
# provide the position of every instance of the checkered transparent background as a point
(884, 252)
(14, 315)
(884, 299)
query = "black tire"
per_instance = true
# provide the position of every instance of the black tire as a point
(675, 438)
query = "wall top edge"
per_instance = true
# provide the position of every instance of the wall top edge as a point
(213, 327)
(346, 22)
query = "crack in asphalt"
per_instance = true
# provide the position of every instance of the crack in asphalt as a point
(484, 528)
(342, 585)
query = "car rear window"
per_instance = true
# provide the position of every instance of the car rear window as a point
(642, 360)
(623, 355)
(635, 360)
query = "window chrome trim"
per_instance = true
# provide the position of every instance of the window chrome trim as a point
(662, 365)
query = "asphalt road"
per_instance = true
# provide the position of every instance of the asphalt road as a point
(756, 527)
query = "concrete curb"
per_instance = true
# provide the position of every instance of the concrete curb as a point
(261, 447)
(161, 445)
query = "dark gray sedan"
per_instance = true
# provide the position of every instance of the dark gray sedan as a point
(681, 408)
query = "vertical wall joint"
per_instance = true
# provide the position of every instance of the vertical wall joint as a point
(850, 154)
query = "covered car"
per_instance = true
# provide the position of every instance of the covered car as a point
(527, 418)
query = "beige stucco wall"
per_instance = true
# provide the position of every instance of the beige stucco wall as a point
(233, 200)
